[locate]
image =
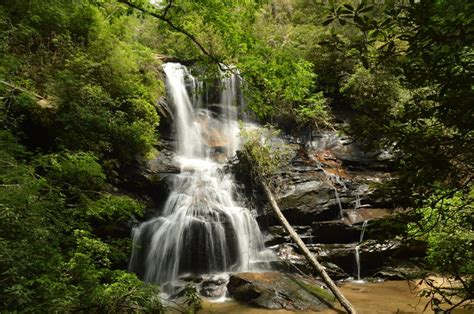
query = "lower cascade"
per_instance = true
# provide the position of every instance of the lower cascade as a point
(202, 229)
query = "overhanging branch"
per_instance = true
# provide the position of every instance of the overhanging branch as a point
(163, 17)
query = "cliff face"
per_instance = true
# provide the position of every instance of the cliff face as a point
(327, 192)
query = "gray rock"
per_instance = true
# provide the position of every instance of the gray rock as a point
(274, 290)
(374, 255)
(214, 286)
(151, 178)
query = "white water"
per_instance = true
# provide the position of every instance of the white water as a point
(357, 255)
(201, 229)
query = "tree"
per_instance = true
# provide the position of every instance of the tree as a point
(423, 50)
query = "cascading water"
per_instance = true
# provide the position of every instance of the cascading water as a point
(357, 255)
(202, 229)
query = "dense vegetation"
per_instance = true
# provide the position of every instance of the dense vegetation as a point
(80, 81)
(78, 96)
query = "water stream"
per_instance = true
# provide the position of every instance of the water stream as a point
(202, 229)
(357, 255)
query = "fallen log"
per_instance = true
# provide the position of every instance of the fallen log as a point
(309, 256)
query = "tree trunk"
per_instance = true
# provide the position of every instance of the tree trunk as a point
(309, 256)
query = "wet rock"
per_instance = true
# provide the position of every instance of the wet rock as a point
(315, 192)
(191, 278)
(350, 152)
(401, 272)
(274, 290)
(151, 178)
(335, 231)
(214, 287)
(390, 274)
(374, 255)
(289, 261)
(307, 199)
(358, 215)
(278, 235)
(334, 271)
(386, 228)
(349, 229)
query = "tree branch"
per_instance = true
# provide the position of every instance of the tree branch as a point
(309, 256)
(170, 23)
(21, 89)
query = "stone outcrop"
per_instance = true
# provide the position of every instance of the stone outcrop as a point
(327, 193)
(329, 176)
(275, 290)
(150, 179)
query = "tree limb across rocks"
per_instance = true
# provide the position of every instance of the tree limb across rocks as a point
(309, 256)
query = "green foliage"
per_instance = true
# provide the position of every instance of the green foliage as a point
(192, 299)
(314, 112)
(80, 80)
(237, 33)
(81, 170)
(101, 82)
(400, 73)
(49, 259)
(117, 208)
(378, 100)
(262, 155)
(447, 225)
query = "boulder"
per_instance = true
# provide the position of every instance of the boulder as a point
(274, 290)
(214, 286)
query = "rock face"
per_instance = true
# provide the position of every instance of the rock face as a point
(149, 179)
(327, 194)
(274, 290)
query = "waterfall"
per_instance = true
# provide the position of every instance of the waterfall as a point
(357, 255)
(202, 229)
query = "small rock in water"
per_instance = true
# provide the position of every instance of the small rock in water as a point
(214, 286)
(212, 290)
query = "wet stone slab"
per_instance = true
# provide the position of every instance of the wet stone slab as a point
(274, 290)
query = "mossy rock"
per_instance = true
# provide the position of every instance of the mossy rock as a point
(274, 290)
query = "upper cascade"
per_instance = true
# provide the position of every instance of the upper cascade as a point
(202, 229)
(201, 132)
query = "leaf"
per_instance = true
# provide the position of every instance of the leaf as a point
(358, 20)
(365, 63)
(391, 46)
(366, 9)
(374, 33)
(349, 7)
(386, 22)
(328, 21)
